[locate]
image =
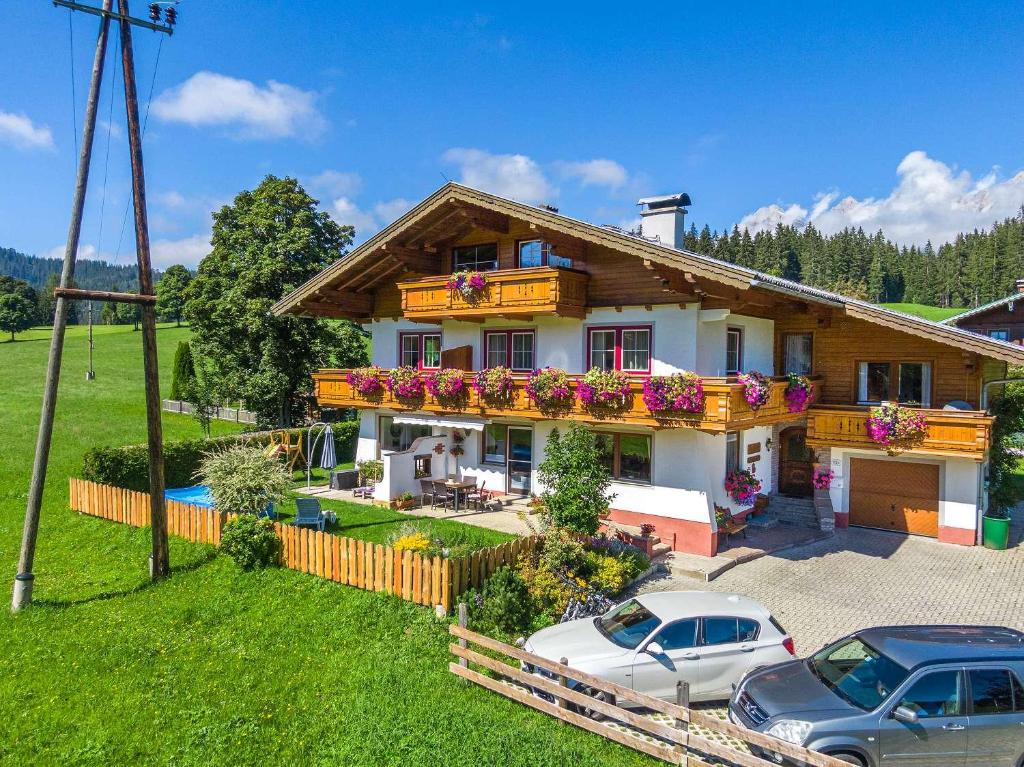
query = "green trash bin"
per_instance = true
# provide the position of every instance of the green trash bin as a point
(995, 532)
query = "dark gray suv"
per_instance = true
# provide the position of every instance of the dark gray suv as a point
(896, 696)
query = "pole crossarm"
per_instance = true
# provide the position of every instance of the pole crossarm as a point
(114, 15)
(78, 294)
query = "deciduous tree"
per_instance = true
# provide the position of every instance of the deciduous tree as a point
(170, 293)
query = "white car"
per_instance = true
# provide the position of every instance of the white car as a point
(650, 642)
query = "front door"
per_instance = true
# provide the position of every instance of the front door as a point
(796, 463)
(520, 459)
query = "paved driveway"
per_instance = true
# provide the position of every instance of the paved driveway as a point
(860, 578)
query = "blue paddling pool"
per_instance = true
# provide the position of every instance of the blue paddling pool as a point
(199, 495)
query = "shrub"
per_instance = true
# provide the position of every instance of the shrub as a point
(371, 471)
(1004, 485)
(184, 371)
(243, 480)
(607, 574)
(507, 604)
(415, 542)
(251, 542)
(575, 480)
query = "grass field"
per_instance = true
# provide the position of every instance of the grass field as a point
(934, 313)
(213, 666)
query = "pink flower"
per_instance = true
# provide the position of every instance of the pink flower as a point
(756, 389)
(679, 392)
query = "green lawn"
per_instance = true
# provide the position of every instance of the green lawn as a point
(214, 666)
(934, 313)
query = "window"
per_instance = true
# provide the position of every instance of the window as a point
(628, 624)
(797, 353)
(935, 695)
(627, 349)
(540, 253)
(626, 456)
(680, 635)
(396, 437)
(421, 466)
(495, 443)
(907, 382)
(733, 455)
(475, 258)
(857, 672)
(995, 691)
(730, 630)
(511, 348)
(999, 335)
(733, 351)
(420, 350)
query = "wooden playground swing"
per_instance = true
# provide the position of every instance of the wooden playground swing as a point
(283, 443)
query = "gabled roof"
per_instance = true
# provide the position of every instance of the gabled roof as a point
(983, 308)
(369, 254)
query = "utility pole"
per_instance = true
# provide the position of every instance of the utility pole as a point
(90, 374)
(23, 582)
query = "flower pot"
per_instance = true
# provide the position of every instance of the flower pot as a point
(760, 505)
(995, 532)
(399, 505)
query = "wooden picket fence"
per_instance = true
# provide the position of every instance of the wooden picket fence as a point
(363, 564)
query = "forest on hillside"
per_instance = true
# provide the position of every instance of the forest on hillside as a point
(94, 275)
(972, 270)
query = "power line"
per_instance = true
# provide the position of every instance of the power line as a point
(74, 106)
(106, 162)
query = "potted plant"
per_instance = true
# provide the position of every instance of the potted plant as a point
(405, 383)
(822, 478)
(676, 393)
(742, 486)
(995, 529)
(756, 388)
(646, 540)
(470, 285)
(799, 393)
(405, 501)
(760, 504)
(495, 385)
(548, 389)
(367, 382)
(447, 387)
(606, 390)
(896, 428)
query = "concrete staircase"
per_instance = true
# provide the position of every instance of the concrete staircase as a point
(796, 512)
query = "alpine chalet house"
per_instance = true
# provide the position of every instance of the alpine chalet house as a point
(495, 322)
(1002, 319)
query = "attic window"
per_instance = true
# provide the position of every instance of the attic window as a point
(539, 253)
(475, 258)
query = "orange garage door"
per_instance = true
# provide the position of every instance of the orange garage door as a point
(895, 495)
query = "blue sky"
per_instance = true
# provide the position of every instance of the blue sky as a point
(904, 116)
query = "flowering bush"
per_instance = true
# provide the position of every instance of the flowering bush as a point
(469, 284)
(756, 388)
(603, 389)
(742, 486)
(679, 392)
(368, 382)
(494, 383)
(799, 393)
(822, 479)
(405, 383)
(549, 388)
(412, 542)
(446, 384)
(896, 428)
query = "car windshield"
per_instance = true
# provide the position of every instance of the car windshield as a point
(627, 624)
(857, 672)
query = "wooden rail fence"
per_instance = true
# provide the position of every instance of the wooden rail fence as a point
(675, 733)
(363, 564)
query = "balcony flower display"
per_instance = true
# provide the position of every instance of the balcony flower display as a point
(469, 284)
(494, 384)
(405, 383)
(676, 393)
(742, 486)
(446, 385)
(548, 388)
(368, 382)
(799, 393)
(603, 389)
(756, 388)
(896, 428)
(822, 479)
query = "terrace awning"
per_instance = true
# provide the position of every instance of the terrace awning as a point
(442, 422)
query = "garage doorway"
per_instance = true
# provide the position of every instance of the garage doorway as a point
(895, 495)
(796, 463)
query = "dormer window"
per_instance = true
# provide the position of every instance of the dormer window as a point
(475, 258)
(539, 253)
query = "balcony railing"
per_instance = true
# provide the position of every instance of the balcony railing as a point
(725, 408)
(511, 292)
(961, 433)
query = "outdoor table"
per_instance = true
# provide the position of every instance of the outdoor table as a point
(459, 488)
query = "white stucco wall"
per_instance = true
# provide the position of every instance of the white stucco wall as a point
(758, 342)
(384, 349)
(958, 485)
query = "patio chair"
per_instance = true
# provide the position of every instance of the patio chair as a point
(308, 513)
(479, 497)
(427, 491)
(444, 496)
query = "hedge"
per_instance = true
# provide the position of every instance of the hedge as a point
(128, 466)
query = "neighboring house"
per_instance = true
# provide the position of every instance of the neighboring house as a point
(565, 293)
(1002, 320)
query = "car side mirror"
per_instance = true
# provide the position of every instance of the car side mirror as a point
(905, 715)
(653, 648)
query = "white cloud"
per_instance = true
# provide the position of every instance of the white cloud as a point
(337, 183)
(931, 201)
(275, 111)
(112, 128)
(599, 172)
(768, 216)
(391, 209)
(22, 133)
(188, 251)
(515, 176)
(171, 199)
(346, 211)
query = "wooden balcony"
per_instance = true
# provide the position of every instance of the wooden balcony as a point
(725, 409)
(958, 433)
(511, 293)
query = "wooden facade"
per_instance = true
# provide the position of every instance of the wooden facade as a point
(1006, 317)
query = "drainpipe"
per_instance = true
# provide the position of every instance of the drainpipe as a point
(983, 474)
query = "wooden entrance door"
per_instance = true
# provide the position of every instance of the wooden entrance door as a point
(895, 495)
(796, 463)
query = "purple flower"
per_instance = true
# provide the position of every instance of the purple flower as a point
(679, 392)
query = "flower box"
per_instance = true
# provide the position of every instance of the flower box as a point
(603, 390)
(799, 393)
(495, 385)
(676, 393)
(548, 389)
(896, 428)
(756, 389)
(405, 383)
(470, 285)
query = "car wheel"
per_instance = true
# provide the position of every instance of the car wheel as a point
(601, 695)
(850, 759)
